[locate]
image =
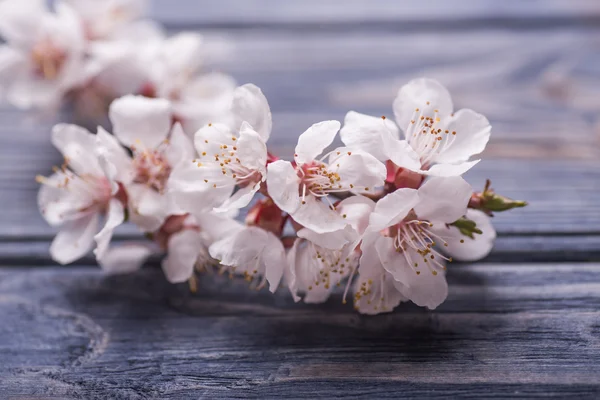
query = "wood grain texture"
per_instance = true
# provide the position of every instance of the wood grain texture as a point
(524, 329)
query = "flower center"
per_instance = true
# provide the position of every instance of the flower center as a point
(372, 293)
(319, 179)
(231, 165)
(152, 168)
(93, 193)
(413, 234)
(327, 267)
(427, 136)
(47, 59)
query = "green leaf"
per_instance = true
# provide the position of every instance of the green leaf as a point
(467, 227)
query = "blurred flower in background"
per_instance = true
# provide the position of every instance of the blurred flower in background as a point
(88, 53)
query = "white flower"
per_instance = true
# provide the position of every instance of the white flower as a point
(437, 141)
(403, 232)
(319, 262)
(144, 125)
(77, 195)
(185, 239)
(297, 188)
(103, 19)
(375, 289)
(256, 254)
(43, 57)
(227, 158)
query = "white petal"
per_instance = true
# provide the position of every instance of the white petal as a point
(382, 295)
(20, 20)
(330, 240)
(252, 150)
(402, 154)
(425, 289)
(182, 52)
(75, 239)
(359, 169)
(140, 121)
(114, 218)
(314, 140)
(183, 250)
(447, 170)
(443, 199)
(393, 208)
(239, 199)
(125, 258)
(148, 208)
(419, 285)
(210, 140)
(274, 259)
(317, 216)
(180, 148)
(250, 105)
(58, 204)
(78, 146)
(367, 133)
(283, 185)
(291, 277)
(472, 134)
(470, 249)
(356, 211)
(114, 160)
(417, 94)
(217, 226)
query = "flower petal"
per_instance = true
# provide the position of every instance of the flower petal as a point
(425, 94)
(252, 150)
(424, 289)
(250, 105)
(183, 250)
(471, 249)
(217, 226)
(392, 209)
(330, 240)
(374, 291)
(57, 204)
(447, 170)
(358, 169)
(317, 216)
(283, 185)
(125, 258)
(356, 211)
(140, 121)
(210, 139)
(180, 148)
(148, 208)
(75, 239)
(239, 199)
(367, 133)
(472, 134)
(77, 145)
(443, 199)
(114, 218)
(113, 157)
(274, 259)
(314, 140)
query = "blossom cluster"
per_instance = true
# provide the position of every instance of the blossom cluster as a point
(380, 215)
(86, 53)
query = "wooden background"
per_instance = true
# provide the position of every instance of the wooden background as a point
(523, 322)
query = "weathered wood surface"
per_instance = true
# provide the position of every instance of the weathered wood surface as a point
(525, 322)
(506, 330)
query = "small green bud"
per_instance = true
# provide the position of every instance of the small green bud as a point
(467, 227)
